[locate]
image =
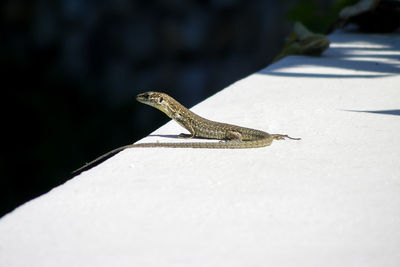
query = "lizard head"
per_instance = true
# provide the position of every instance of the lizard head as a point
(160, 101)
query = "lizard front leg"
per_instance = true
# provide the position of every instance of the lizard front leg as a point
(188, 136)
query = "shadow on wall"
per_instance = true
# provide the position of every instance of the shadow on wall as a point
(379, 60)
(383, 112)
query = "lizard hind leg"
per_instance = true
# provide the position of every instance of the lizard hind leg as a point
(234, 136)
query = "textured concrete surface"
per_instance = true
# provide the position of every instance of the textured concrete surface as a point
(331, 199)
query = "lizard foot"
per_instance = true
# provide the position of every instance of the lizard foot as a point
(283, 136)
(185, 136)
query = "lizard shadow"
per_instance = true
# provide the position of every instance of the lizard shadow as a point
(176, 136)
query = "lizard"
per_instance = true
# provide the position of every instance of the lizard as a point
(231, 136)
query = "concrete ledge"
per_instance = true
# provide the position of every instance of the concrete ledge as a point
(332, 199)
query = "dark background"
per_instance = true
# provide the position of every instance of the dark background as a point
(71, 69)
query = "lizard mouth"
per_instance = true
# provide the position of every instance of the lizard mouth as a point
(143, 98)
(154, 99)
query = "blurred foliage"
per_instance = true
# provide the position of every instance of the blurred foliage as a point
(313, 16)
(302, 41)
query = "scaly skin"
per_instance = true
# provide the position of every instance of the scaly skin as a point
(233, 136)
